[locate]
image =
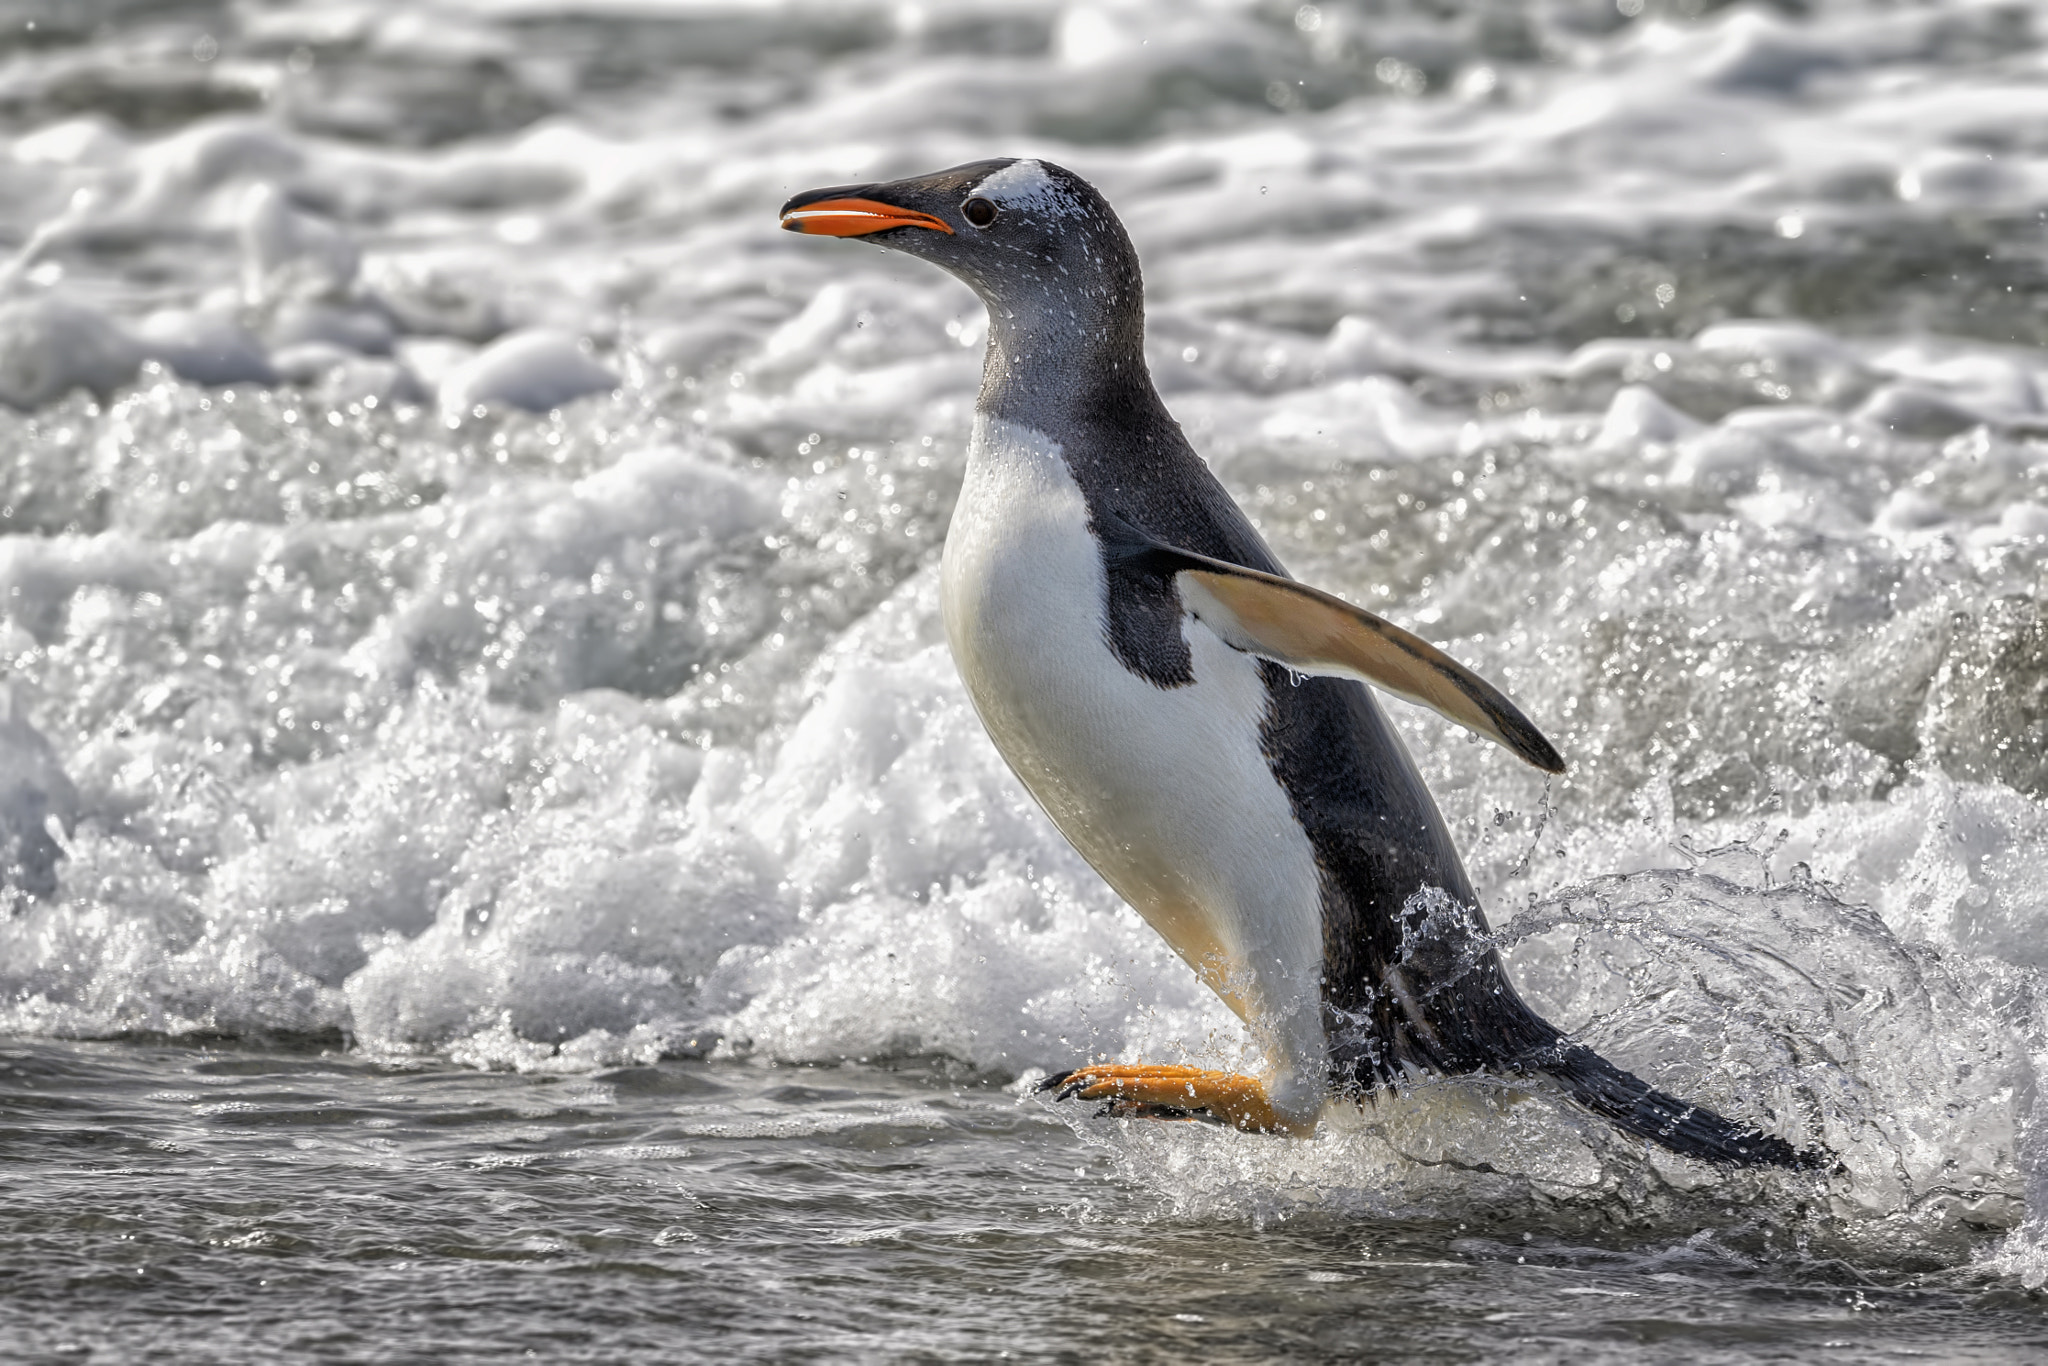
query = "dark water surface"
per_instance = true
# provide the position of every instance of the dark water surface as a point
(166, 1202)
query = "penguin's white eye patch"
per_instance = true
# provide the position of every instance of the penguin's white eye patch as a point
(979, 211)
(1025, 186)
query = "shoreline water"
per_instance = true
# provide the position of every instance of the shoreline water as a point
(229, 1204)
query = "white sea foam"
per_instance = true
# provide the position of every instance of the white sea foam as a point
(535, 370)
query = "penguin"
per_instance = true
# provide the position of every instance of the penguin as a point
(1199, 724)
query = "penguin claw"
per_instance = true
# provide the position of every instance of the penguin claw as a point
(1052, 1082)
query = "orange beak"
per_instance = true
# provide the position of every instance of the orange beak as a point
(856, 218)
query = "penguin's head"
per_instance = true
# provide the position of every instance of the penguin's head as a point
(1034, 240)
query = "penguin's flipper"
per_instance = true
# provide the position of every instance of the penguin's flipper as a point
(1168, 1091)
(1313, 632)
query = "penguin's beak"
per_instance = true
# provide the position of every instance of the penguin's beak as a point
(832, 213)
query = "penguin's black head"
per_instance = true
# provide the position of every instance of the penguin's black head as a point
(1036, 241)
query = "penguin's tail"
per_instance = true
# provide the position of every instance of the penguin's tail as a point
(1443, 1003)
(1637, 1107)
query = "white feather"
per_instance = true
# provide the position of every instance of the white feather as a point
(1025, 185)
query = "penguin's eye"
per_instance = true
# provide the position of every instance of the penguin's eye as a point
(979, 211)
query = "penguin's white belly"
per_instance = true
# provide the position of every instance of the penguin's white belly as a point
(1166, 791)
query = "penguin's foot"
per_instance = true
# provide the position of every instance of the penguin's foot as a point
(1167, 1091)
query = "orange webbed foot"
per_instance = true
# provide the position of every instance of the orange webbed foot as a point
(1168, 1091)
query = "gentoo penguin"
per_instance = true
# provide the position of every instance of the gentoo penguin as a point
(1194, 720)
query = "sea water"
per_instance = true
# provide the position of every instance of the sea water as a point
(498, 860)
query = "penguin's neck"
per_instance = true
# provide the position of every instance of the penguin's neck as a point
(1060, 376)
